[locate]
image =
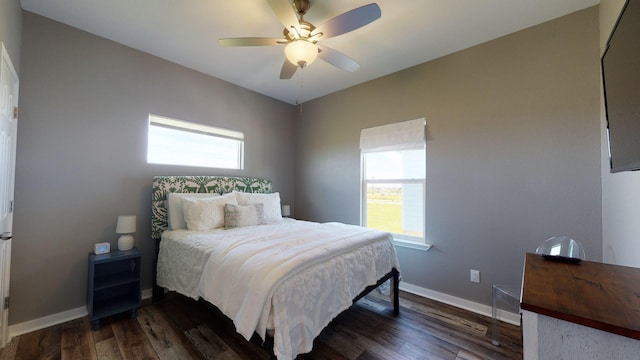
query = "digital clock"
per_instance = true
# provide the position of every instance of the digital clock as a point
(101, 248)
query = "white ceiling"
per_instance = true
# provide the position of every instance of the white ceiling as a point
(409, 32)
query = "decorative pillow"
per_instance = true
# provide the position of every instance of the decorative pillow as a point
(236, 216)
(206, 213)
(175, 213)
(271, 202)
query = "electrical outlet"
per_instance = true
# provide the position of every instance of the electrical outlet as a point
(475, 276)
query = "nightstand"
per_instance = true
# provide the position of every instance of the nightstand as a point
(114, 284)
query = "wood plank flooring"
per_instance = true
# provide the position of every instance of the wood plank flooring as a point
(180, 328)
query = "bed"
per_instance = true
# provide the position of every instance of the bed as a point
(223, 239)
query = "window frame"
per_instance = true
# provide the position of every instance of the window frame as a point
(402, 135)
(409, 241)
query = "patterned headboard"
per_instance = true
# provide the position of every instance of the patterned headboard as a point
(162, 185)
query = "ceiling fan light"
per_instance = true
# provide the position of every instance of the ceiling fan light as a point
(301, 52)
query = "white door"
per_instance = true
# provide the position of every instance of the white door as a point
(8, 128)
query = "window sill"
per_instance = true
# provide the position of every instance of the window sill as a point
(411, 245)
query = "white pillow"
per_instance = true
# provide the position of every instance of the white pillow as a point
(175, 213)
(206, 213)
(236, 216)
(271, 203)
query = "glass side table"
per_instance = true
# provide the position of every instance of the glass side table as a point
(504, 298)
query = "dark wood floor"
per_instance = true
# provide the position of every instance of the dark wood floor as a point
(180, 328)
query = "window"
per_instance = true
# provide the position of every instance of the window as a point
(177, 142)
(393, 180)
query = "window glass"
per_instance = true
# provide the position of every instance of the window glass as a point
(177, 142)
(394, 192)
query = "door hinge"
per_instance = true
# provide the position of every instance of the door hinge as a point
(11, 206)
(6, 302)
(15, 112)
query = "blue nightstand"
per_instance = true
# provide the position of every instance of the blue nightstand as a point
(114, 284)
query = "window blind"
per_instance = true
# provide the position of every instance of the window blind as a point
(155, 120)
(397, 136)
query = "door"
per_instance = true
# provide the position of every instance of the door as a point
(8, 128)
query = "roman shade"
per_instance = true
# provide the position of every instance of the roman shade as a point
(397, 136)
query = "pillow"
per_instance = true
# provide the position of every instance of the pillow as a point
(236, 216)
(175, 215)
(204, 214)
(271, 202)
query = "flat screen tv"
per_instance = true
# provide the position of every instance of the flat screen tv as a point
(621, 79)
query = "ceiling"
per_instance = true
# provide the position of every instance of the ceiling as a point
(409, 32)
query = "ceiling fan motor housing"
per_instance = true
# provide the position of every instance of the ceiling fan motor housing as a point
(306, 28)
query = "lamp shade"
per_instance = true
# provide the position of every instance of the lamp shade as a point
(301, 52)
(126, 224)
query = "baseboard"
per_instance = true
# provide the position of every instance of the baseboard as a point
(477, 308)
(59, 318)
(43, 322)
(55, 319)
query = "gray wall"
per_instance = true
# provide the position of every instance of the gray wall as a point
(82, 152)
(10, 29)
(513, 152)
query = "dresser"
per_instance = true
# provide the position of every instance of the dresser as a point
(585, 310)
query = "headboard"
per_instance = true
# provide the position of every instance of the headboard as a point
(162, 185)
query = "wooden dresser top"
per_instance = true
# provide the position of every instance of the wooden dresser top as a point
(597, 295)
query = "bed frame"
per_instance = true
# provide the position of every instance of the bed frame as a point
(163, 185)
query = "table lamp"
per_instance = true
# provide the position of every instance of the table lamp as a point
(126, 226)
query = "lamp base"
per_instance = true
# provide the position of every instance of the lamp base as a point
(125, 242)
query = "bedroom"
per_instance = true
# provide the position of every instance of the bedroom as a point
(82, 143)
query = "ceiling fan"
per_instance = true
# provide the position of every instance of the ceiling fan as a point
(301, 37)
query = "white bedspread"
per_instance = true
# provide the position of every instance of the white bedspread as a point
(297, 274)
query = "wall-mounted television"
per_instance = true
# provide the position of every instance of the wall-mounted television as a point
(621, 79)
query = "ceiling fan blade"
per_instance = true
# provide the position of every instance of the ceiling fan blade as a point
(349, 21)
(285, 13)
(251, 41)
(288, 69)
(337, 59)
